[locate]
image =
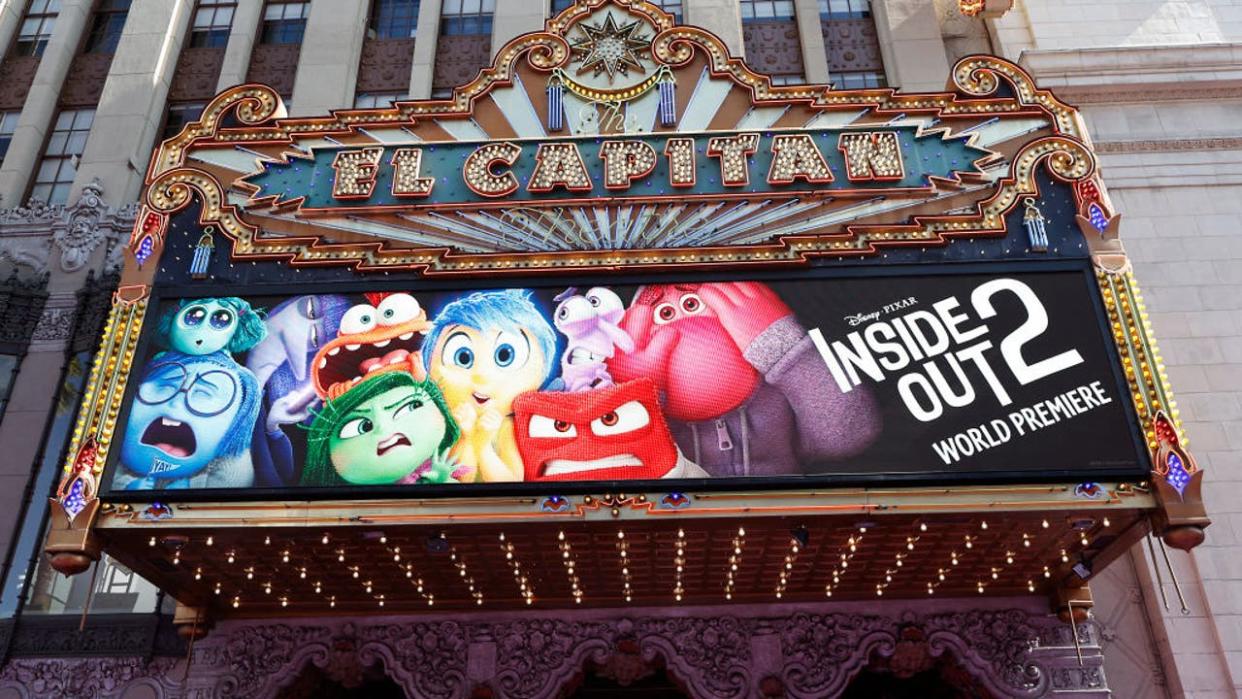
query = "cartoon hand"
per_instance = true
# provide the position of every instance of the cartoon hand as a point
(652, 347)
(465, 416)
(491, 421)
(745, 309)
(443, 470)
(290, 408)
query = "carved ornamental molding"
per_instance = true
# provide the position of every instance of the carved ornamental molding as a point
(43, 238)
(1010, 652)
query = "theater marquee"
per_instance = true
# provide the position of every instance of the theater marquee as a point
(618, 259)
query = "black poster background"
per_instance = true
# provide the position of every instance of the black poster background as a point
(1099, 443)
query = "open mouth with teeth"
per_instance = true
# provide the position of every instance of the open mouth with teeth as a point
(582, 355)
(172, 437)
(392, 442)
(560, 467)
(348, 359)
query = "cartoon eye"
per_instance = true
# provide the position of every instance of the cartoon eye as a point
(665, 313)
(408, 407)
(398, 308)
(541, 426)
(627, 418)
(355, 428)
(574, 308)
(358, 319)
(221, 319)
(511, 350)
(604, 300)
(193, 316)
(691, 303)
(458, 351)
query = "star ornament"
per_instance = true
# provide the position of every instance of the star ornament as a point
(610, 49)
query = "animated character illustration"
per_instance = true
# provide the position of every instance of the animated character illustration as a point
(190, 424)
(590, 323)
(486, 350)
(383, 335)
(390, 428)
(204, 326)
(743, 386)
(296, 330)
(611, 433)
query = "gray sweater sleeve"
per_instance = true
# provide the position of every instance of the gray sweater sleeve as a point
(831, 424)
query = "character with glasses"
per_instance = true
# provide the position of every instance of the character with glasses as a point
(190, 424)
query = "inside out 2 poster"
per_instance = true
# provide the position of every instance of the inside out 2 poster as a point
(952, 376)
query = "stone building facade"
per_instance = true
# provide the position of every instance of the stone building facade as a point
(90, 86)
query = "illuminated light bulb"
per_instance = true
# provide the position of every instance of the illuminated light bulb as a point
(1107, 523)
(284, 557)
(1044, 524)
(198, 573)
(1009, 558)
(211, 541)
(151, 542)
(236, 602)
(250, 574)
(368, 586)
(502, 536)
(1064, 556)
(332, 602)
(383, 539)
(340, 557)
(318, 588)
(909, 545)
(922, 526)
(980, 588)
(1047, 573)
(560, 536)
(324, 540)
(302, 574)
(355, 573)
(983, 524)
(217, 588)
(1030, 585)
(267, 589)
(741, 531)
(396, 557)
(828, 592)
(267, 541)
(879, 592)
(284, 601)
(479, 601)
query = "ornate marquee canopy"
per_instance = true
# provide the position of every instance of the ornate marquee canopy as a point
(616, 141)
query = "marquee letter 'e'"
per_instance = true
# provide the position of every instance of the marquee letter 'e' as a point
(871, 155)
(626, 161)
(479, 170)
(794, 157)
(732, 151)
(559, 165)
(355, 173)
(406, 163)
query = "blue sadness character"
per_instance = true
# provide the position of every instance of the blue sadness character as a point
(203, 326)
(190, 424)
(296, 330)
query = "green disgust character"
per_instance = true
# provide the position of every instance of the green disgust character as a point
(388, 429)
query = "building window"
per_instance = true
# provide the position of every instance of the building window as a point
(561, 5)
(106, 29)
(60, 159)
(394, 19)
(753, 10)
(673, 7)
(788, 79)
(844, 9)
(284, 22)
(467, 17)
(212, 21)
(373, 100)
(855, 79)
(8, 124)
(37, 27)
(179, 115)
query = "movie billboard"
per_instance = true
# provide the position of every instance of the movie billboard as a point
(956, 377)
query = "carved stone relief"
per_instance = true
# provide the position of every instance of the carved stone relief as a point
(16, 74)
(459, 58)
(773, 47)
(385, 65)
(813, 653)
(851, 45)
(275, 65)
(85, 80)
(198, 69)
